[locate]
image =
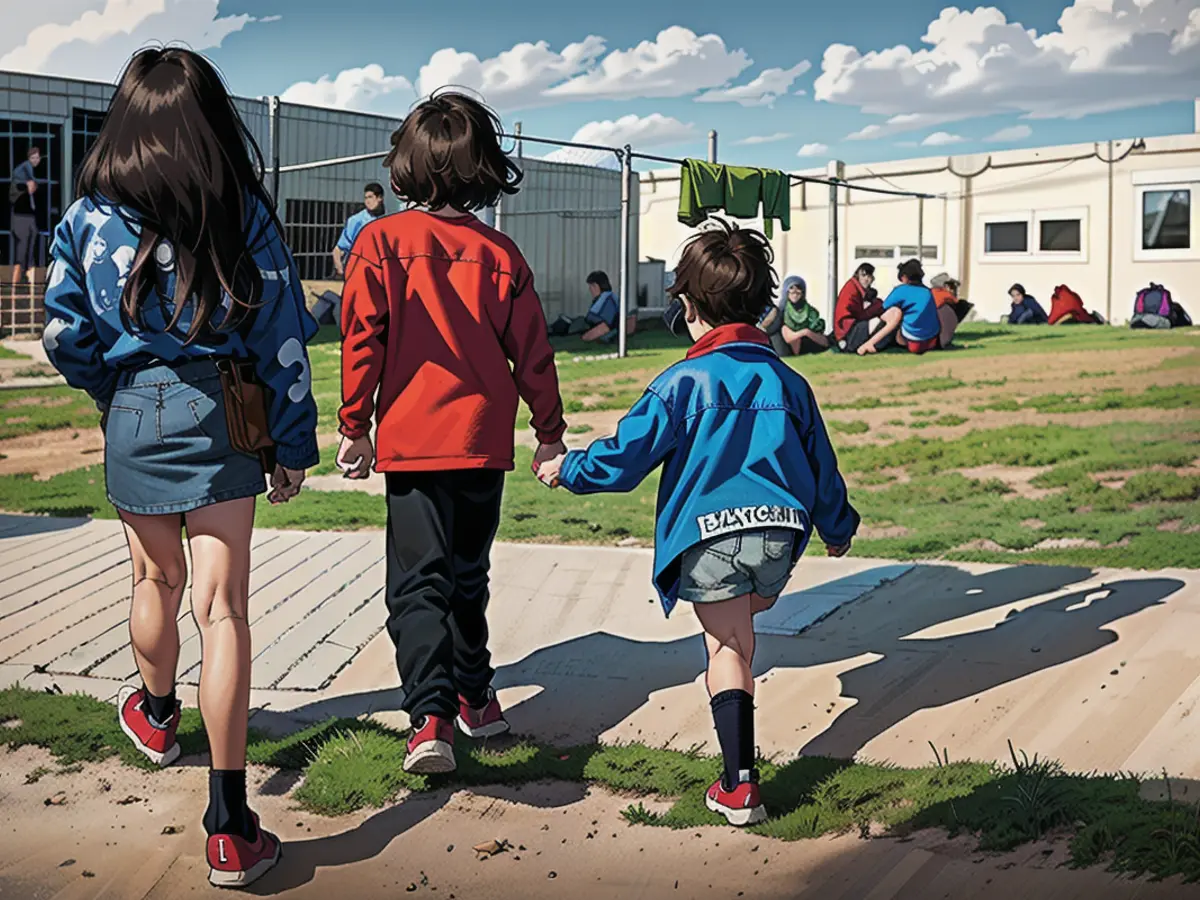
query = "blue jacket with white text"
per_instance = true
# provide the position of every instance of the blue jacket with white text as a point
(742, 446)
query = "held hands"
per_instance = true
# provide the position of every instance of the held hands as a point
(547, 461)
(285, 484)
(354, 457)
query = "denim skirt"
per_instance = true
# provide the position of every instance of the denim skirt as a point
(166, 443)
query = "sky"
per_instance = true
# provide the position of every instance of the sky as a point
(856, 80)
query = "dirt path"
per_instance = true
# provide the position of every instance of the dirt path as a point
(107, 840)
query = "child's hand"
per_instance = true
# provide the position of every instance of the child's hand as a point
(546, 452)
(354, 457)
(547, 472)
(865, 349)
(837, 551)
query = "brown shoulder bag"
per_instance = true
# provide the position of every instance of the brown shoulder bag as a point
(246, 411)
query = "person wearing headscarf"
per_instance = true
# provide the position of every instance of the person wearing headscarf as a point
(802, 329)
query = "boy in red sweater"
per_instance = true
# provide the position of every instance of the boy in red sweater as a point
(443, 326)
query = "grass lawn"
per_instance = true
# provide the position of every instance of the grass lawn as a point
(349, 765)
(1055, 445)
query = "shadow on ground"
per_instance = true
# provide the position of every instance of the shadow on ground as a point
(590, 684)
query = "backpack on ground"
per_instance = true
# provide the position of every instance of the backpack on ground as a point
(1153, 300)
(1179, 316)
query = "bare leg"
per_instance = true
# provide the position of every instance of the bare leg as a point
(159, 573)
(729, 639)
(219, 537)
(949, 323)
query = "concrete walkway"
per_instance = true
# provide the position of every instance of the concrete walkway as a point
(1098, 669)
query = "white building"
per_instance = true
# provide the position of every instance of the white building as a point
(1105, 219)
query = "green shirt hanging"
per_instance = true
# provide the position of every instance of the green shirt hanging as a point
(739, 192)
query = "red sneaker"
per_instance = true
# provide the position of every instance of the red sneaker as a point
(741, 806)
(158, 744)
(487, 721)
(431, 747)
(234, 862)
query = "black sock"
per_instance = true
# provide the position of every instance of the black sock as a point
(159, 709)
(227, 812)
(733, 714)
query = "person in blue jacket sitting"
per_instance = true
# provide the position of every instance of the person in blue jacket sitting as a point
(1025, 309)
(747, 473)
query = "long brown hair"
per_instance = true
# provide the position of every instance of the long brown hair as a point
(175, 153)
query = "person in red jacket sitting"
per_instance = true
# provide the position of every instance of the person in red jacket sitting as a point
(1066, 308)
(443, 325)
(856, 315)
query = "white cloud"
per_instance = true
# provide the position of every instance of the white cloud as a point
(95, 39)
(678, 62)
(813, 149)
(361, 89)
(1012, 133)
(644, 131)
(764, 138)
(1106, 55)
(515, 79)
(941, 139)
(763, 90)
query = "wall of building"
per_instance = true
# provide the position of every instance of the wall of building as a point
(1047, 189)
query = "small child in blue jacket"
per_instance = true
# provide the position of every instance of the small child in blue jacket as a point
(747, 473)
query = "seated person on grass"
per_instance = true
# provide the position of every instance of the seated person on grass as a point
(911, 314)
(600, 323)
(856, 315)
(1025, 308)
(803, 329)
(1066, 308)
(945, 293)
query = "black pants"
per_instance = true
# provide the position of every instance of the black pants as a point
(860, 333)
(439, 537)
(25, 234)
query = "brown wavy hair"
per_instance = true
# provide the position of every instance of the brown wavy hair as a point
(727, 274)
(447, 153)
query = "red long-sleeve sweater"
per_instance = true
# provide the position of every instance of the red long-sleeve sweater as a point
(443, 330)
(851, 307)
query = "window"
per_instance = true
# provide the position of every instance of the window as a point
(1060, 236)
(311, 229)
(16, 137)
(1164, 217)
(1035, 236)
(85, 128)
(897, 252)
(1167, 220)
(1006, 237)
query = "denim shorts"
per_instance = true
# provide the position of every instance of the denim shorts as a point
(749, 562)
(166, 443)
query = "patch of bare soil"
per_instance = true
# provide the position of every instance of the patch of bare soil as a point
(1116, 479)
(122, 832)
(50, 453)
(35, 400)
(602, 423)
(986, 545)
(869, 532)
(1033, 524)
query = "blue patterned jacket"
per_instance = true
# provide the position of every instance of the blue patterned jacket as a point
(93, 252)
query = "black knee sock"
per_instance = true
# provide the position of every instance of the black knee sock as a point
(733, 714)
(159, 709)
(227, 812)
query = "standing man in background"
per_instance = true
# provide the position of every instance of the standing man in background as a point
(23, 223)
(373, 209)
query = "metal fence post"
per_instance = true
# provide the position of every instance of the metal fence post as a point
(520, 145)
(626, 212)
(921, 230)
(273, 123)
(712, 146)
(832, 287)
